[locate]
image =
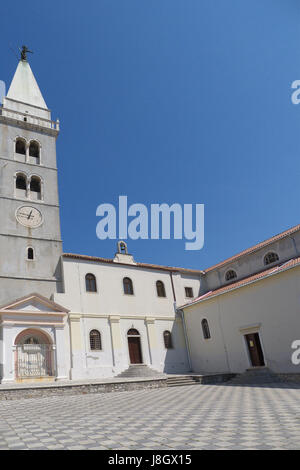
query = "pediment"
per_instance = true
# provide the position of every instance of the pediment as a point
(33, 303)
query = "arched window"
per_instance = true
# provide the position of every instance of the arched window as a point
(30, 253)
(168, 340)
(34, 152)
(20, 146)
(95, 340)
(230, 274)
(21, 181)
(35, 187)
(127, 285)
(205, 329)
(160, 288)
(90, 283)
(271, 258)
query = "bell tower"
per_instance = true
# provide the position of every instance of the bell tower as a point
(30, 239)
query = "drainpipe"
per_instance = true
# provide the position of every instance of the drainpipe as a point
(173, 289)
(181, 313)
(183, 322)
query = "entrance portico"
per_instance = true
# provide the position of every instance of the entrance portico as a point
(34, 340)
(34, 355)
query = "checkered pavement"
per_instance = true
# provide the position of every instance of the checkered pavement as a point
(189, 417)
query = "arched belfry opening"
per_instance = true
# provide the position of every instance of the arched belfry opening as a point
(35, 187)
(34, 152)
(122, 247)
(20, 146)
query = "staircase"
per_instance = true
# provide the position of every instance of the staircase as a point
(141, 371)
(255, 376)
(179, 380)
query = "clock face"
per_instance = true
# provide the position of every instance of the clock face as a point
(29, 216)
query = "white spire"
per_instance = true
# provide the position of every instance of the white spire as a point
(24, 87)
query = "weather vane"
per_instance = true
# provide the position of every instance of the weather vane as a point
(24, 51)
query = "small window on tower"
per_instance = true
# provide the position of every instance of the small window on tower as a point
(30, 253)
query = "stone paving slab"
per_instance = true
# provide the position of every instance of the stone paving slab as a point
(187, 417)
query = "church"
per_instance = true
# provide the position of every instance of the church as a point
(67, 316)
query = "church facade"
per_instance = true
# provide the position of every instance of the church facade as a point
(249, 310)
(65, 316)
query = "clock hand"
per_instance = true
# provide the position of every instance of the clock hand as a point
(29, 215)
(23, 214)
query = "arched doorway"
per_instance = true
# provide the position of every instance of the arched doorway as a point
(33, 355)
(134, 346)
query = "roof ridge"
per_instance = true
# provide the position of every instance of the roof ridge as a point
(198, 271)
(142, 265)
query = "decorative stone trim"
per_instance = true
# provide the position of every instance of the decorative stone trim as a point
(250, 329)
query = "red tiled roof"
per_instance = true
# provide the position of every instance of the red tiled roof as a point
(140, 265)
(248, 280)
(255, 248)
(252, 249)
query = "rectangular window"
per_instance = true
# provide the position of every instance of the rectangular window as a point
(189, 292)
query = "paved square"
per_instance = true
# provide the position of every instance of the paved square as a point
(188, 417)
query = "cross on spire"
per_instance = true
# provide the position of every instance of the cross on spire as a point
(24, 51)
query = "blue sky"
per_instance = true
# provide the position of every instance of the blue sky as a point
(184, 101)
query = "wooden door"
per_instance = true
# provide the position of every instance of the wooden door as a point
(255, 350)
(135, 353)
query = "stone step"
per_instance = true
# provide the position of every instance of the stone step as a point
(259, 371)
(140, 370)
(182, 384)
(256, 376)
(181, 380)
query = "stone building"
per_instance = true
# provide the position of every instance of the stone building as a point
(67, 316)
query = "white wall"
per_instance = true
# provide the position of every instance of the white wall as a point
(270, 306)
(110, 298)
(96, 309)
